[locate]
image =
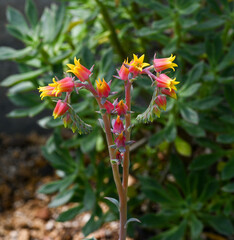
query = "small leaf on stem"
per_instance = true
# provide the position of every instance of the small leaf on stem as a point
(113, 146)
(114, 201)
(114, 161)
(131, 220)
(103, 100)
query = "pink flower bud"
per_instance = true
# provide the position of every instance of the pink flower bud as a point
(103, 88)
(161, 101)
(60, 109)
(118, 125)
(108, 106)
(124, 72)
(121, 108)
(171, 93)
(120, 140)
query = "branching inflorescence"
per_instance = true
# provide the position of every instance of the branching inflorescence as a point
(116, 115)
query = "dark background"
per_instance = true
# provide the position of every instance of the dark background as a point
(12, 125)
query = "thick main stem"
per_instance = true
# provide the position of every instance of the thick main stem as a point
(121, 187)
(115, 167)
(123, 203)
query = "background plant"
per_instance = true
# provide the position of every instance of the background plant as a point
(200, 122)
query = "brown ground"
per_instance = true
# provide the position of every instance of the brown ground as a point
(24, 214)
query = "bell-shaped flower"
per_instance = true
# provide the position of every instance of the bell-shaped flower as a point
(161, 101)
(120, 140)
(60, 109)
(161, 64)
(79, 70)
(137, 64)
(108, 106)
(124, 71)
(103, 88)
(48, 91)
(169, 93)
(164, 81)
(64, 85)
(121, 108)
(118, 126)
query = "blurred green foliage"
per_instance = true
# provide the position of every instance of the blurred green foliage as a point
(185, 162)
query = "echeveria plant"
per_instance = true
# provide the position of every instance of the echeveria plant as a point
(116, 114)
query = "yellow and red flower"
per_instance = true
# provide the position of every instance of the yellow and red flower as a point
(165, 82)
(121, 108)
(103, 88)
(64, 85)
(118, 125)
(124, 72)
(79, 70)
(161, 101)
(47, 91)
(60, 109)
(137, 64)
(169, 93)
(120, 140)
(161, 64)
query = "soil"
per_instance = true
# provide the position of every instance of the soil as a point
(24, 214)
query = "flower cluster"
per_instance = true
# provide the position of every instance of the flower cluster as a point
(66, 86)
(165, 85)
(115, 109)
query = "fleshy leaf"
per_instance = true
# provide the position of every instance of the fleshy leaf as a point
(113, 200)
(149, 115)
(132, 220)
(82, 127)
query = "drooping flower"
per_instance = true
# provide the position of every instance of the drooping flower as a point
(137, 64)
(60, 109)
(161, 101)
(124, 72)
(108, 106)
(120, 140)
(165, 82)
(169, 93)
(64, 85)
(48, 91)
(161, 64)
(79, 70)
(121, 108)
(118, 125)
(103, 88)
